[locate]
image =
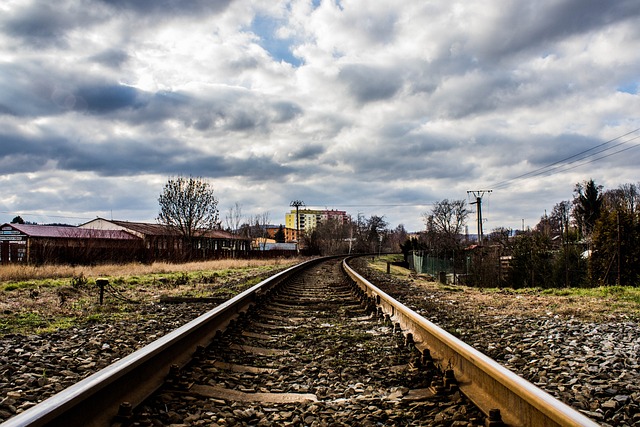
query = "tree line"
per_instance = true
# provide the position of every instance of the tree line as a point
(591, 240)
(188, 204)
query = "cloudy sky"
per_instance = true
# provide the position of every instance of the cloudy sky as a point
(378, 107)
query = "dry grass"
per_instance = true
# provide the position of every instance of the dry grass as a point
(593, 304)
(18, 273)
(40, 299)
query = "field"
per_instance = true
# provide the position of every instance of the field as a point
(39, 299)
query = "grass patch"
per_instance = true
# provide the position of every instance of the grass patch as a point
(69, 295)
(380, 264)
(22, 323)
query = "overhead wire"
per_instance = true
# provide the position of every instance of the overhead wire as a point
(559, 164)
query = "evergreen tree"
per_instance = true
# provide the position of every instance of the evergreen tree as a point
(17, 220)
(587, 206)
(279, 237)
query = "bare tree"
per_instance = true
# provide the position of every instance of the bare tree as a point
(189, 206)
(625, 198)
(262, 221)
(330, 237)
(446, 222)
(233, 218)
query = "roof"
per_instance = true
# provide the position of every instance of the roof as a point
(148, 229)
(165, 230)
(221, 234)
(59, 231)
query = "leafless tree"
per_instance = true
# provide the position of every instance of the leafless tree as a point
(189, 206)
(446, 222)
(233, 218)
(626, 198)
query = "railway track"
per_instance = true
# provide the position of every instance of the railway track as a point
(309, 346)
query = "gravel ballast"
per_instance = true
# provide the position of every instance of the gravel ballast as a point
(589, 363)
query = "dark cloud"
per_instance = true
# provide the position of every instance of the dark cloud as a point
(35, 89)
(128, 157)
(537, 24)
(285, 111)
(369, 83)
(557, 147)
(230, 111)
(169, 8)
(307, 152)
(23, 154)
(25, 90)
(6, 110)
(112, 58)
(105, 99)
(43, 24)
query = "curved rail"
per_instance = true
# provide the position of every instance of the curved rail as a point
(488, 384)
(97, 400)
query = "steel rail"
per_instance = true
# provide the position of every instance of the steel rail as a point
(488, 384)
(97, 400)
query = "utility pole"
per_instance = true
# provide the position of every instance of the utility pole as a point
(619, 282)
(478, 194)
(297, 204)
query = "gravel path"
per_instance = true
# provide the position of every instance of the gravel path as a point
(592, 365)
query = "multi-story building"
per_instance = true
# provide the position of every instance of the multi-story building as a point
(308, 219)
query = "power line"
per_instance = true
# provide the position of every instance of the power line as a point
(548, 169)
(563, 168)
(605, 156)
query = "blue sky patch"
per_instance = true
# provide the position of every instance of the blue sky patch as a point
(629, 87)
(265, 27)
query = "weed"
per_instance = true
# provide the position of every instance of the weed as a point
(28, 321)
(57, 324)
(94, 318)
(182, 280)
(79, 281)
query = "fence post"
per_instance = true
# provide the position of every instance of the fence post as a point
(443, 277)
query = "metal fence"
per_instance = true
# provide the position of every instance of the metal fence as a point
(426, 264)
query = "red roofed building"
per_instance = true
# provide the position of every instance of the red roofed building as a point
(161, 242)
(39, 244)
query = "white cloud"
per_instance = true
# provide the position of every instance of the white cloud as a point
(350, 102)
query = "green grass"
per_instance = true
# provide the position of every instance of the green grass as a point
(22, 322)
(73, 300)
(621, 293)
